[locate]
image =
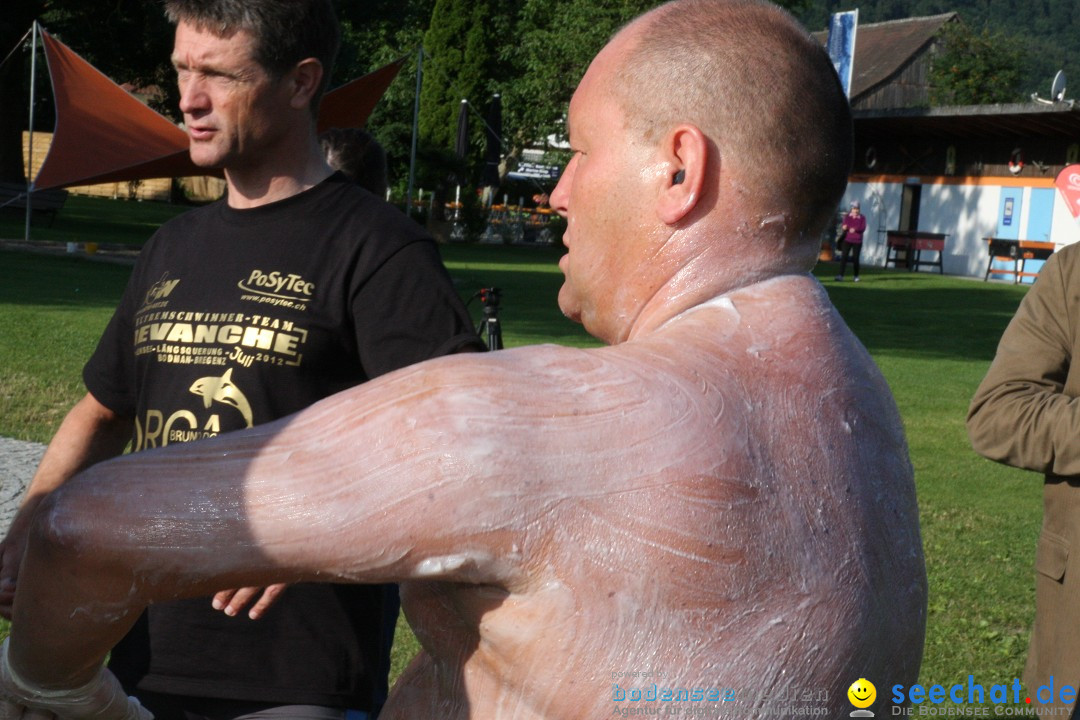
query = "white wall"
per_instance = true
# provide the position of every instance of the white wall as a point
(966, 213)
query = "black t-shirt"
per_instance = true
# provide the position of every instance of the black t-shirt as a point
(234, 318)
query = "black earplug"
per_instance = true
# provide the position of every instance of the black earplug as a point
(679, 177)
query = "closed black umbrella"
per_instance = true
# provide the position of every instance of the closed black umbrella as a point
(493, 142)
(461, 148)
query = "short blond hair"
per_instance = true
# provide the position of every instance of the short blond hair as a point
(759, 86)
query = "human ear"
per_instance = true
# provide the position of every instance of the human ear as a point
(304, 80)
(685, 155)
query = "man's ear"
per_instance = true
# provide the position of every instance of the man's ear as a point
(685, 154)
(303, 81)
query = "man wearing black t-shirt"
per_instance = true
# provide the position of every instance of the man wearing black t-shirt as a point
(297, 286)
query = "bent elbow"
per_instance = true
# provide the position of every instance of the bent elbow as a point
(1008, 442)
(979, 431)
(59, 529)
(74, 527)
(991, 427)
(982, 437)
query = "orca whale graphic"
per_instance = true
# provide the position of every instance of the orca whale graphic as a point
(222, 390)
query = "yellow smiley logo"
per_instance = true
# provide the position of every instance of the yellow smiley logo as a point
(862, 693)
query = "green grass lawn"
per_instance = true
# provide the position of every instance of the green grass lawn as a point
(933, 338)
(91, 219)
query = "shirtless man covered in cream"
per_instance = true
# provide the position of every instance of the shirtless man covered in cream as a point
(722, 497)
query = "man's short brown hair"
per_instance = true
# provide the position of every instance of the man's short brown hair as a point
(759, 86)
(285, 31)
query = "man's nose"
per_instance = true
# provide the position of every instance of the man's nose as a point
(193, 96)
(560, 196)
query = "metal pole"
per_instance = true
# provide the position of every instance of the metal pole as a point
(30, 134)
(415, 124)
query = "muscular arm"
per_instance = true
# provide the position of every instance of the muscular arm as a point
(89, 434)
(438, 471)
(1023, 414)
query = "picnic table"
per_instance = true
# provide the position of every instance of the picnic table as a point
(519, 224)
(913, 243)
(1016, 252)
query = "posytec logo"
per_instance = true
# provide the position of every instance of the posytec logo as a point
(286, 286)
(862, 695)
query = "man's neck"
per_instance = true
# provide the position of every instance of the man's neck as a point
(282, 176)
(714, 274)
(779, 289)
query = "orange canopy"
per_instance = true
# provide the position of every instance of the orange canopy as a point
(104, 134)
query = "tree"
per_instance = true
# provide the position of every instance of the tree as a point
(1048, 29)
(14, 22)
(975, 68)
(461, 50)
(374, 34)
(533, 53)
(554, 42)
(557, 40)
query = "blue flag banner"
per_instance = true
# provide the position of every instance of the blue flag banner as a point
(841, 45)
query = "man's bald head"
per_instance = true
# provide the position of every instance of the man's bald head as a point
(759, 87)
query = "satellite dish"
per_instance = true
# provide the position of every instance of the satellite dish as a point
(1057, 91)
(1057, 88)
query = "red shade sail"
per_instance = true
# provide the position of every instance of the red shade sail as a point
(350, 105)
(104, 134)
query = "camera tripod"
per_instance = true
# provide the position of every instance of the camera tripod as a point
(489, 327)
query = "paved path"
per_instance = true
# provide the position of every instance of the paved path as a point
(18, 460)
(107, 252)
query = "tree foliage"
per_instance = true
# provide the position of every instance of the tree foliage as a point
(15, 20)
(373, 34)
(129, 40)
(461, 63)
(532, 52)
(975, 68)
(556, 41)
(1047, 32)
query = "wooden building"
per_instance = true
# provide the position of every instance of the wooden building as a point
(969, 173)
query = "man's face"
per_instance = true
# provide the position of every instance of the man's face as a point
(231, 105)
(602, 194)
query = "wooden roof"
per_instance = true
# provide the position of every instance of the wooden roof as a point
(883, 49)
(1059, 121)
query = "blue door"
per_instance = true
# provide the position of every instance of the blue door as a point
(1008, 227)
(1040, 220)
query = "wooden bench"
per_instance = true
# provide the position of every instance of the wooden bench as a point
(44, 202)
(1016, 252)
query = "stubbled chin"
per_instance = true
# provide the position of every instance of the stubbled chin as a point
(204, 156)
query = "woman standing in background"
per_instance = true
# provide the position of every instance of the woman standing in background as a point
(853, 227)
